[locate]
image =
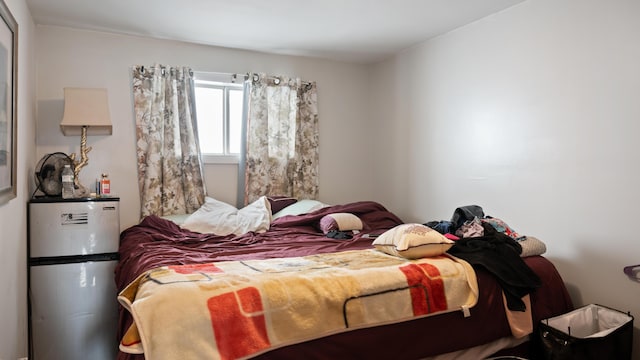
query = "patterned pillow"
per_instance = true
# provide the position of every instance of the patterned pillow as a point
(412, 241)
(340, 222)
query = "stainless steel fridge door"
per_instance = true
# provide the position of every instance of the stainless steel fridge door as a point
(74, 311)
(73, 228)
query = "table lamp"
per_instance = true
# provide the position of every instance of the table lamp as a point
(86, 112)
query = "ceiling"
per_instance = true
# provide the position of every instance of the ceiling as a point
(361, 31)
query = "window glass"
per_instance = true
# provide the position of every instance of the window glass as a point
(210, 111)
(236, 97)
(219, 114)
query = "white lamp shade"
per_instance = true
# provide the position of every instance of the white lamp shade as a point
(86, 108)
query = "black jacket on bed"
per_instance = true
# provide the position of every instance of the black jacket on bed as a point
(500, 255)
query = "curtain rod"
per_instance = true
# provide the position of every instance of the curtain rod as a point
(163, 68)
(235, 76)
(276, 79)
(231, 75)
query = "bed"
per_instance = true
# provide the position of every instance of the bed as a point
(478, 326)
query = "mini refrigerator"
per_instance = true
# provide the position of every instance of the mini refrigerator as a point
(73, 309)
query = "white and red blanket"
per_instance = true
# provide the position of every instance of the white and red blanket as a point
(238, 309)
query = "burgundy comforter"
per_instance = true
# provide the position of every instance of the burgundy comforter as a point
(158, 242)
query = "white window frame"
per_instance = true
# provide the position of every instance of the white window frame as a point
(225, 83)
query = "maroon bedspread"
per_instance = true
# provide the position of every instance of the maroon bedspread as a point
(158, 242)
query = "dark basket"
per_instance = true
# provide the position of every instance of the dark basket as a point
(593, 332)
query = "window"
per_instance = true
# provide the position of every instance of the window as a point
(219, 113)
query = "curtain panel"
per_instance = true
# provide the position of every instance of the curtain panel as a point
(170, 177)
(281, 141)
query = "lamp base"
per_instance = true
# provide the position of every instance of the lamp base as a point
(80, 191)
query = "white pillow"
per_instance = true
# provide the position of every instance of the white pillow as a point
(178, 219)
(412, 241)
(220, 218)
(303, 206)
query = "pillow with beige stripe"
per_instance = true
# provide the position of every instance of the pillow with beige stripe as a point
(412, 241)
(340, 222)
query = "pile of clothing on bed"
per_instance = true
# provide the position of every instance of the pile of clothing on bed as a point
(489, 242)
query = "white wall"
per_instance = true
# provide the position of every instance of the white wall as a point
(532, 113)
(69, 57)
(13, 215)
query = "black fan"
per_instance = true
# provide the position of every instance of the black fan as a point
(49, 173)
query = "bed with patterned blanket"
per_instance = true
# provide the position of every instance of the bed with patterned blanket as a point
(301, 290)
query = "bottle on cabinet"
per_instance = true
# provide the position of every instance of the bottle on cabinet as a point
(104, 185)
(67, 183)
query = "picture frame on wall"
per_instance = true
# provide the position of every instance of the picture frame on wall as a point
(8, 104)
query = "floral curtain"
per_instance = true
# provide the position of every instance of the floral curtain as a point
(281, 138)
(169, 168)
